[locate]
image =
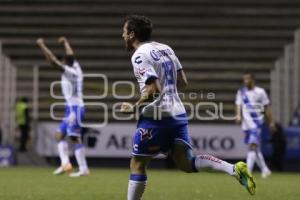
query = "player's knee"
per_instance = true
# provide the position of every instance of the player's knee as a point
(75, 139)
(58, 136)
(252, 147)
(137, 167)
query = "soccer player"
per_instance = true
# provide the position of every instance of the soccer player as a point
(71, 85)
(163, 126)
(252, 103)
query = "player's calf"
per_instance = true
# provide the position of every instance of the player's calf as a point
(138, 178)
(183, 157)
(138, 164)
(185, 164)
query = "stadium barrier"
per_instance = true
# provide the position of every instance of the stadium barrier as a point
(288, 83)
(277, 90)
(7, 98)
(285, 88)
(115, 140)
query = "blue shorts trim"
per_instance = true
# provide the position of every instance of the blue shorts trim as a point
(71, 125)
(253, 136)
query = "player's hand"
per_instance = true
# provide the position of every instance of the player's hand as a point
(238, 119)
(62, 39)
(127, 108)
(40, 41)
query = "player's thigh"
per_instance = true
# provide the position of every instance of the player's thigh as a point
(75, 119)
(254, 141)
(139, 164)
(61, 131)
(75, 139)
(182, 155)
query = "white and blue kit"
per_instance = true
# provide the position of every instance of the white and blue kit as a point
(72, 85)
(252, 102)
(164, 120)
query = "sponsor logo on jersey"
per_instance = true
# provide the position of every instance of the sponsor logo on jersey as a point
(138, 60)
(146, 134)
(142, 71)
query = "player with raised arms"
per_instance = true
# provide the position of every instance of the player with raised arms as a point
(71, 85)
(163, 126)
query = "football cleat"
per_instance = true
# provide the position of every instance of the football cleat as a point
(245, 177)
(62, 169)
(80, 173)
(266, 173)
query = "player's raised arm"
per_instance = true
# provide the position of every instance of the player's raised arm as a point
(48, 54)
(68, 49)
(182, 82)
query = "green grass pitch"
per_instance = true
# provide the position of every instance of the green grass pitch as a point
(28, 183)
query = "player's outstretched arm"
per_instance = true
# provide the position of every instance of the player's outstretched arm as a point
(68, 49)
(150, 89)
(48, 54)
(182, 82)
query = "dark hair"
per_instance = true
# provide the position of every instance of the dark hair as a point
(24, 99)
(251, 74)
(140, 25)
(69, 59)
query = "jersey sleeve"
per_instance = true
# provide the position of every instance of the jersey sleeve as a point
(177, 63)
(264, 98)
(238, 98)
(143, 69)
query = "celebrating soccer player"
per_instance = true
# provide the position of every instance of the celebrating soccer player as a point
(251, 101)
(163, 125)
(71, 84)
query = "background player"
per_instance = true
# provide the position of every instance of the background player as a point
(162, 126)
(71, 84)
(252, 103)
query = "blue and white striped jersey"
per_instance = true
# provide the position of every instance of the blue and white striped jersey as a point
(252, 103)
(158, 60)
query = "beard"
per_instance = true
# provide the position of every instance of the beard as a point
(128, 45)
